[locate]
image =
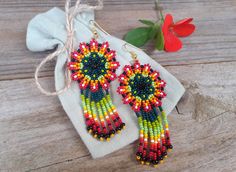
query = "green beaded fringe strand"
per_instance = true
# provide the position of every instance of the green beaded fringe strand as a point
(102, 119)
(154, 138)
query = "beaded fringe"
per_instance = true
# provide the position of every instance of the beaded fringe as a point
(102, 119)
(154, 138)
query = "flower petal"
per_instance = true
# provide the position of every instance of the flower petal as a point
(167, 22)
(172, 43)
(184, 29)
(184, 21)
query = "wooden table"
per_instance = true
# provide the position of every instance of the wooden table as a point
(36, 134)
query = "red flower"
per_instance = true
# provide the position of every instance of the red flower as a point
(171, 30)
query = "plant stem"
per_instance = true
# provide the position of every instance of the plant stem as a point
(159, 9)
(161, 14)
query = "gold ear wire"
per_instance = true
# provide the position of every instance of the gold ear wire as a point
(94, 25)
(132, 53)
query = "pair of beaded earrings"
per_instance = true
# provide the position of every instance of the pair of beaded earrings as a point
(94, 65)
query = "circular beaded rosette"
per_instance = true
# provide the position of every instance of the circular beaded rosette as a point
(93, 65)
(143, 89)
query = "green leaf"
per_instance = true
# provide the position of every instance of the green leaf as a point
(138, 36)
(159, 41)
(147, 22)
(153, 31)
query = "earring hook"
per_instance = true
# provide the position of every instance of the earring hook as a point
(94, 25)
(132, 53)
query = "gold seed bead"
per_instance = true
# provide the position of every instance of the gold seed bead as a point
(155, 166)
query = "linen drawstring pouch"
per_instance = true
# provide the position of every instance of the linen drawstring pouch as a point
(48, 30)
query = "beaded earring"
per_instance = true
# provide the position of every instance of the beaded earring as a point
(94, 65)
(143, 89)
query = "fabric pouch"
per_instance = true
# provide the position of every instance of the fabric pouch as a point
(48, 30)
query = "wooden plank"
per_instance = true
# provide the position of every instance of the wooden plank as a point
(198, 148)
(34, 129)
(210, 89)
(36, 135)
(214, 40)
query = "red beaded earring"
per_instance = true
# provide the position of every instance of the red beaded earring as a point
(142, 88)
(94, 65)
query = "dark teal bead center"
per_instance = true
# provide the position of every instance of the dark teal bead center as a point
(141, 86)
(94, 65)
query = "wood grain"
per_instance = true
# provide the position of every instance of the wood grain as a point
(214, 40)
(36, 134)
